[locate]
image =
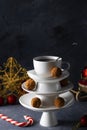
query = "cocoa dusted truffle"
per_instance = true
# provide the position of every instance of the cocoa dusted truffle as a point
(59, 102)
(56, 72)
(64, 82)
(36, 102)
(30, 84)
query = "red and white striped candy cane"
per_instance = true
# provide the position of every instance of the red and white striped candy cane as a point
(16, 123)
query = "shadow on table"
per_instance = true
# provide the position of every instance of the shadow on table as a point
(63, 123)
(67, 122)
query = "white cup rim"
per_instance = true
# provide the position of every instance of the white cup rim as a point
(46, 57)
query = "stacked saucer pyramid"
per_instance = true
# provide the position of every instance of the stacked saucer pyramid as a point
(47, 90)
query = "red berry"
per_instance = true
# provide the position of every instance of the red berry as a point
(83, 120)
(84, 72)
(1, 101)
(11, 99)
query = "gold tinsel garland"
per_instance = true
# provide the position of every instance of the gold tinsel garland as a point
(12, 75)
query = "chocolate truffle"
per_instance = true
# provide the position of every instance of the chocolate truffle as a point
(59, 102)
(64, 82)
(56, 72)
(36, 102)
(30, 84)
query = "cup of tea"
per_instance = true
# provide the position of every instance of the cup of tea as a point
(44, 64)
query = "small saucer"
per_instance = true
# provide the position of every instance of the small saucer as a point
(38, 78)
(25, 100)
(62, 90)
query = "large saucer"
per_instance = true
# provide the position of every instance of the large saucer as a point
(33, 75)
(25, 101)
(62, 90)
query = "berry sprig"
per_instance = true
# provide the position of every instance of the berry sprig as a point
(84, 73)
(10, 100)
(81, 123)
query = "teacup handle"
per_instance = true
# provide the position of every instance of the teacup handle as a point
(65, 65)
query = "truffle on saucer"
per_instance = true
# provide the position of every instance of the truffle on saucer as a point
(64, 82)
(56, 72)
(36, 102)
(30, 84)
(59, 102)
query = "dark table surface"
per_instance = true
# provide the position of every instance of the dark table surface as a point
(67, 117)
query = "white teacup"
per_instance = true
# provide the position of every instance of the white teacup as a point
(44, 64)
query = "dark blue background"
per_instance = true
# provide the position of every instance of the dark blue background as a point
(29, 28)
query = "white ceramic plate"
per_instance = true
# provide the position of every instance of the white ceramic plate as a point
(37, 78)
(62, 90)
(25, 101)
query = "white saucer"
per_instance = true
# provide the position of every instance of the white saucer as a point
(62, 90)
(25, 101)
(37, 78)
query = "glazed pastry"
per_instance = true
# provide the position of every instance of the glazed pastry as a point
(64, 82)
(59, 102)
(30, 84)
(56, 72)
(36, 102)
